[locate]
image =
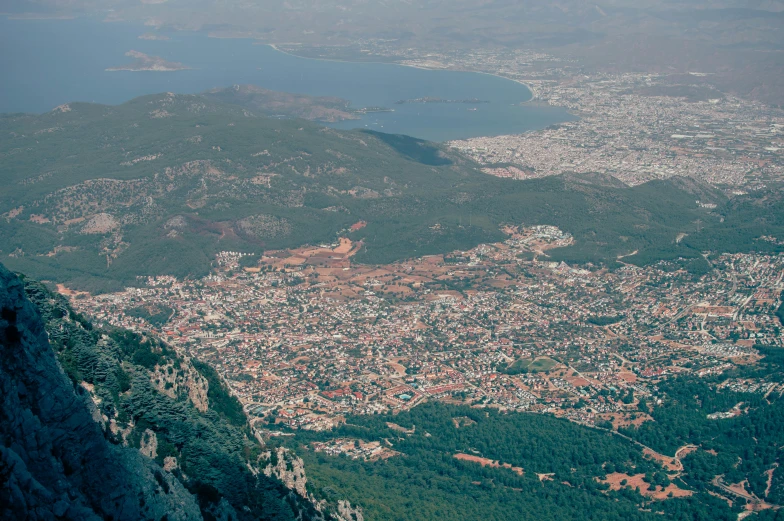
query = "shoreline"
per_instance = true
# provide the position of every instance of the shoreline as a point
(130, 69)
(531, 88)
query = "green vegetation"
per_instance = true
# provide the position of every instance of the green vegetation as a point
(417, 150)
(157, 316)
(213, 448)
(529, 365)
(746, 220)
(739, 448)
(151, 195)
(249, 261)
(221, 401)
(273, 103)
(604, 320)
(427, 482)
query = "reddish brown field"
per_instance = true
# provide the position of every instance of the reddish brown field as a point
(488, 462)
(401, 371)
(62, 290)
(577, 381)
(671, 464)
(358, 226)
(636, 481)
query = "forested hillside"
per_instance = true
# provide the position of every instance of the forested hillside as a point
(691, 461)
(710, 450)
(96, 195)
(740, 449)
(564, 467)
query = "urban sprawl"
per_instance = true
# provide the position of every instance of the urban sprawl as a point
(306, 337)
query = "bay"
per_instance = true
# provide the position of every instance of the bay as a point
(45, 63)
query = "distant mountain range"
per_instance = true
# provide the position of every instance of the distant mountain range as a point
(738, 41)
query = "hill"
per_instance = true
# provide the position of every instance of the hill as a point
(274, 103)
(97, 195)
(457, 462)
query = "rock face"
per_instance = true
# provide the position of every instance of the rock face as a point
(171, 382)
(100, 424)
(289, 469)
(55, 462)
(349, 513)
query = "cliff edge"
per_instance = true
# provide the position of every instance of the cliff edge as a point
(54, 460)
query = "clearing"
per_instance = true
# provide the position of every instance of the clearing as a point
(485, 462)
(616, 479)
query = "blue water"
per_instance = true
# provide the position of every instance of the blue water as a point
(45, 63)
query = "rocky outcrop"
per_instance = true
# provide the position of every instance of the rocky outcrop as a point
(289, 469)
(348, 513)
(185, 379)
(148, 444)
(55, 462)
(110, 424)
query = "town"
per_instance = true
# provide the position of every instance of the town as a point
(637, 128)
(304, 337)
(634, 126)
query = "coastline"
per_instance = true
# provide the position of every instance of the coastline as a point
(145, 62)
(531, 88)
(151, 69)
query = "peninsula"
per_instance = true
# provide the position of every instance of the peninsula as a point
(326, 109)
(428, 99)
(145, 62)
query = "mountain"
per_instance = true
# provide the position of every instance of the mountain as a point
(96, 195)
(55, 460)
(275, 103)
(107, 424)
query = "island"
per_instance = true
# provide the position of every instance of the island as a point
(153, 36)
(145, 62)
(371, 110)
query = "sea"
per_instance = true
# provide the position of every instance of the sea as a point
(48, 62)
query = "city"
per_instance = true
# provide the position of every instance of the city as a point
(634, 126)
(305, 337)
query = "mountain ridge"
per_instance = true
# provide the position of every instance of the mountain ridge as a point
(55, 460)
(99, 195)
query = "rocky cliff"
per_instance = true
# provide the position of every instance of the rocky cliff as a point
(109, 424)
(286, 466)
(54, 459)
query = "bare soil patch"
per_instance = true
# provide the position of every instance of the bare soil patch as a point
(636, 482)
(577, 381)
(399, 428)
(399, 369)
(62, 290)
(485, 462)
(625, 419)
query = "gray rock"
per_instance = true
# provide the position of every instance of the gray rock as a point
(54, 459)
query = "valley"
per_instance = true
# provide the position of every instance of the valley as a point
(351, 261)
